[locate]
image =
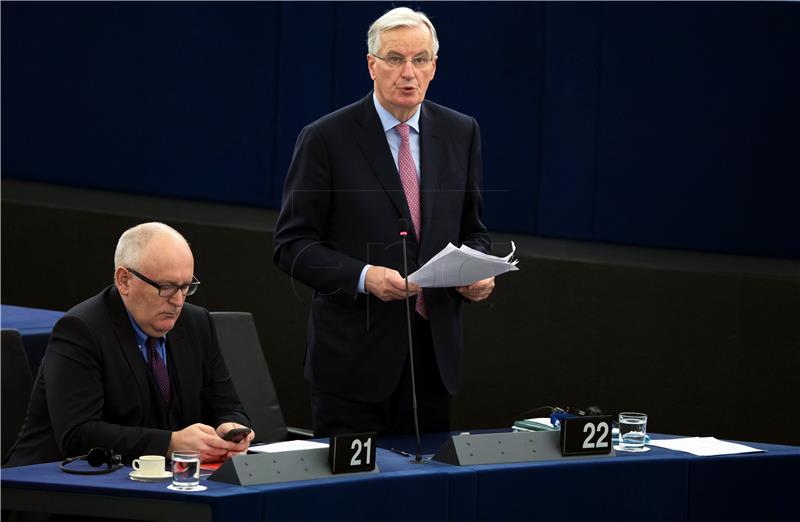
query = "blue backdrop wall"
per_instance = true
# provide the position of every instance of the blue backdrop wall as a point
(671, 125)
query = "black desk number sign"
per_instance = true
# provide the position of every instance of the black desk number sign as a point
(352, 452)
(586, 435)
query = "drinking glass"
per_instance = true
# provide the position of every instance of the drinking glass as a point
(185, 470)
(632, 431)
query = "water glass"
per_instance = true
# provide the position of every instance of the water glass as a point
(185, 470)
(632, 431)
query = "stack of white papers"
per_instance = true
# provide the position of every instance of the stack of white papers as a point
(461, 267)
(704, 446)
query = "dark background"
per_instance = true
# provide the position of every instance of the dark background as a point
(643, 156)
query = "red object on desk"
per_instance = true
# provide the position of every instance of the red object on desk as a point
(211, 466)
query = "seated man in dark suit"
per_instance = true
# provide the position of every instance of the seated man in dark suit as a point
(135, 368)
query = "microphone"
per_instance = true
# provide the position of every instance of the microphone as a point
(403, 227)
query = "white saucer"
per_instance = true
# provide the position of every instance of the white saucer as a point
(642, 450)
(136, 475)
(199, 487)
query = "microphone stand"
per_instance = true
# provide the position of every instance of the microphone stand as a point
(418, 457)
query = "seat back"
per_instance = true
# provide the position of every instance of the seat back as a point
(241, 348)
(17, 383)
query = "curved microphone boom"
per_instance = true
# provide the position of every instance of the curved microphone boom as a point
(403, 227)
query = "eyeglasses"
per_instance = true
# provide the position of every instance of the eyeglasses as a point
(168, 290)
(395, 61)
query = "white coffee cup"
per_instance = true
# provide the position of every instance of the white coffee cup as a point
(149, 465)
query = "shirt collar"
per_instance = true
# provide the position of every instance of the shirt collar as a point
(141, 337)
(388, 121)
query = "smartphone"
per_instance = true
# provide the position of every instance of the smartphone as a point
(236, 434)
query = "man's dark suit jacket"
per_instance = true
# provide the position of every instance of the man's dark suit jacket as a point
(342, 202)
(93, 387)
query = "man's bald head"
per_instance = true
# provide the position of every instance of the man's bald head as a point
(158, 253)
(133, 242)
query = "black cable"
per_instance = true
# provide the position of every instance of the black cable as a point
(548, 409)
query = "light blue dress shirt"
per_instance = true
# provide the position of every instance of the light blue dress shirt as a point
(141, 341)
(389, 122)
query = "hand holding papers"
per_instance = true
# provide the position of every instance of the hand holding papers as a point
(454, 267)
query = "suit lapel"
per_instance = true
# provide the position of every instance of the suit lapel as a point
(127, 341)
(372, 140)
(181, 355)
(432, 155)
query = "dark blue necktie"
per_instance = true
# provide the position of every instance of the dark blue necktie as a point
(158, 369)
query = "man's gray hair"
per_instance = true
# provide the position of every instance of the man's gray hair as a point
(399, 17)
(133, 241)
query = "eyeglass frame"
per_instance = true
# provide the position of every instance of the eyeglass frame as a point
(191, 288)
(385, 59)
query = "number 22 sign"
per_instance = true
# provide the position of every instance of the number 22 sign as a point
(586, 435)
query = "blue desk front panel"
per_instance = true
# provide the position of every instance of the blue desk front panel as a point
(754, 486)
(228, 503)
(629, 487)
(400, 491)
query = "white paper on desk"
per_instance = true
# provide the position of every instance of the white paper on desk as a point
(460, 267)
(289, 445)
(704, 446)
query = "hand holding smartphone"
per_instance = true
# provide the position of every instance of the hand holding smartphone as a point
(236, 435)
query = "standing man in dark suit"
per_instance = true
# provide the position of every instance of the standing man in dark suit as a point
(354, 175)
(135, 368)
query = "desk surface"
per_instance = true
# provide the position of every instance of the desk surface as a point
(657, 485)
(34, 324)
(28, 321)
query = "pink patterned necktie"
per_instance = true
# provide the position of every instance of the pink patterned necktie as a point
(408, 176)
(157, 368)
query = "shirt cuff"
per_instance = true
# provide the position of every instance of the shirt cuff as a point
(362, 278)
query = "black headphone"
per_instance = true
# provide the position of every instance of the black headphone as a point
(96, 457)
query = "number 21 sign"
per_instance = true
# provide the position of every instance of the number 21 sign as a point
(352, 452)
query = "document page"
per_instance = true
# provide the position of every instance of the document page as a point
(289, 445)
(460, 267)
(704, 446)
